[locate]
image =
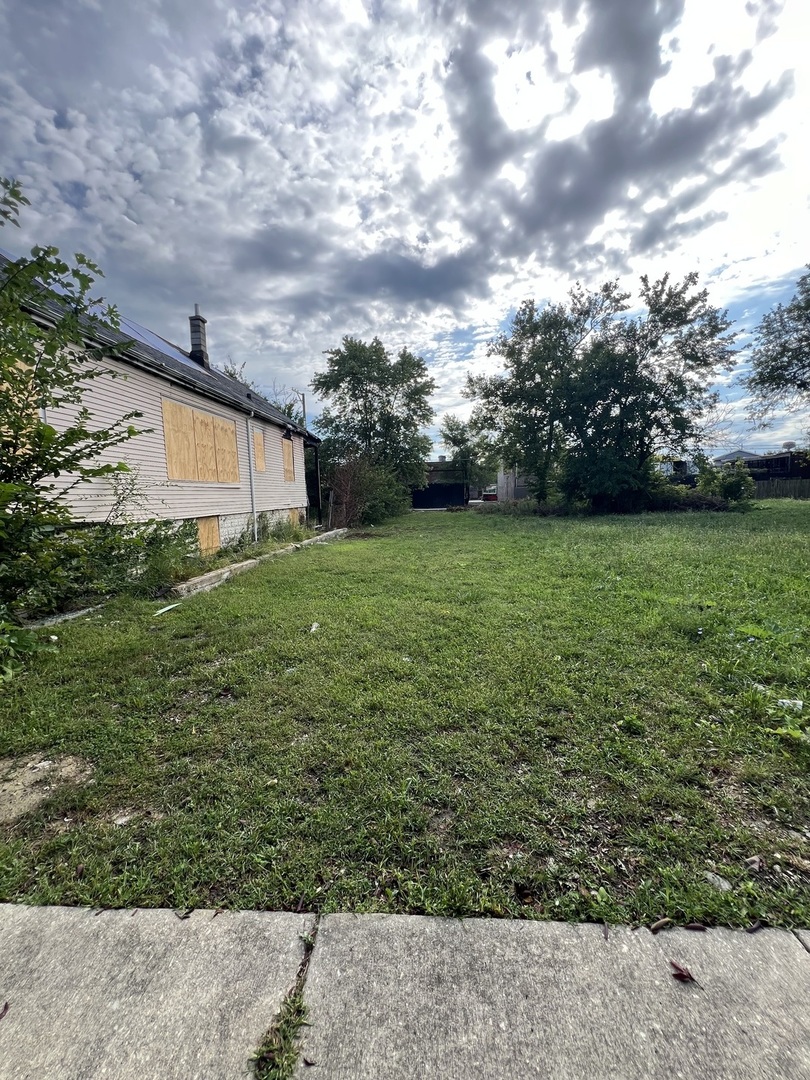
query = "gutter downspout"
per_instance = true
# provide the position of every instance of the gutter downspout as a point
(252, 482)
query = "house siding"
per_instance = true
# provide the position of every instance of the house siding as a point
(108, 399)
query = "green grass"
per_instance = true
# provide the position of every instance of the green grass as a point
(545, 718)
(278, 1054)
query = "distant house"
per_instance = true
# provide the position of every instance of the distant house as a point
(512, 485)
(785, 465)
(212, 450)
(735, 455)
(445, 487)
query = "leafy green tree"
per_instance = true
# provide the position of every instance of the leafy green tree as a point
(51, 326)
(473, 455)
(780, 361)
(377, 408)
(591, 394)
(525, 407)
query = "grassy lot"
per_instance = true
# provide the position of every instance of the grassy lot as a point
(537, 718)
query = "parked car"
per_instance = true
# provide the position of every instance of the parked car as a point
(489, 495)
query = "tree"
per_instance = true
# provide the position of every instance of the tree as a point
(780, 361)
(286, 400)
(591, 394)
(237, 373)
(473, 455)
(377, 408)
(51, 329)
(525, 407)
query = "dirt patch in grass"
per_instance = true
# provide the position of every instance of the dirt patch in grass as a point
(24, 785)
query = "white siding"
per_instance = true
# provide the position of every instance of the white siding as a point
(109, 399)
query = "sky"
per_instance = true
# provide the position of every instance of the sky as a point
(412, 169)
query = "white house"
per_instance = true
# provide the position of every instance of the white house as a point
(211, 449)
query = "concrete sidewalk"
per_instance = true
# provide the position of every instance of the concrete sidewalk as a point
(149, 996)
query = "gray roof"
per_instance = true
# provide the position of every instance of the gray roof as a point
(737, 455)
(144, 349)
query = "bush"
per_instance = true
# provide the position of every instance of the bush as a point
(675, 496)
(289, 531)
(732, 481)
(16, 644)
(366, 494)
(528, 508)
(75, 565)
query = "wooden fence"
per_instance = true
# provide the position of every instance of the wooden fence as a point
(783, 489)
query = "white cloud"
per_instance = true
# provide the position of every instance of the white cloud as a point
(314, 169)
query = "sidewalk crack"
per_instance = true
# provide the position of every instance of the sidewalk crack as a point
(279, 1051)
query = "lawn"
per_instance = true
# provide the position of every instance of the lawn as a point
(567, 718)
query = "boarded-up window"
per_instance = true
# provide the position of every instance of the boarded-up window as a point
(199, 445)
(206, 447)
(258, 450)
(227, 456)
(208, 529)
(181, 446)
(289, 465)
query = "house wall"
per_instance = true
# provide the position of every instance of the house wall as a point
(511, 485)
(108, 399)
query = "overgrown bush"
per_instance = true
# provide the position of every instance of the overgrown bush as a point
(17, 643)
(291, 532)
(80, 564)
(529, 508)
(675, 496)
(732, 481)
(45, 366)
(366, 494)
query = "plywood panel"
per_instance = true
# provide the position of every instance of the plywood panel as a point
(208, 529)
(206, 447)
(227, 456)
(289, 466)
(181, 447)
(258, 450)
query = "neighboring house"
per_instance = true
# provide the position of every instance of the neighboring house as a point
(735, 455)
(788, 465)
(445, 487)
(512, 485)
(212, 450)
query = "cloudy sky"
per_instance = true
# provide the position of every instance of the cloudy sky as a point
(410, 168)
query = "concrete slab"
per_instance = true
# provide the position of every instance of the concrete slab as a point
(804, 938)
(753, 1017)
(140, 997)
(407, 997)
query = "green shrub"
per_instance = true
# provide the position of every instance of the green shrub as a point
(77, 565)
(288, 531)
(675, 496)
(17, 643)
(529, 508)
(732, 481)
(363, 493)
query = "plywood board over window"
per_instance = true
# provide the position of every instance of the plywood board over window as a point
(227, 456)
(206, 447)
(289, 463)
(181, 445)
(208, 530)
(199, 445)
(258, 450)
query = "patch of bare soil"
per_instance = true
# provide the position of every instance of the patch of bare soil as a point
(24, 785)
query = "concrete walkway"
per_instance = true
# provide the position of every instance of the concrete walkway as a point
(150, 996)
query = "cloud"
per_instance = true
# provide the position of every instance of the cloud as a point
(411, 168)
